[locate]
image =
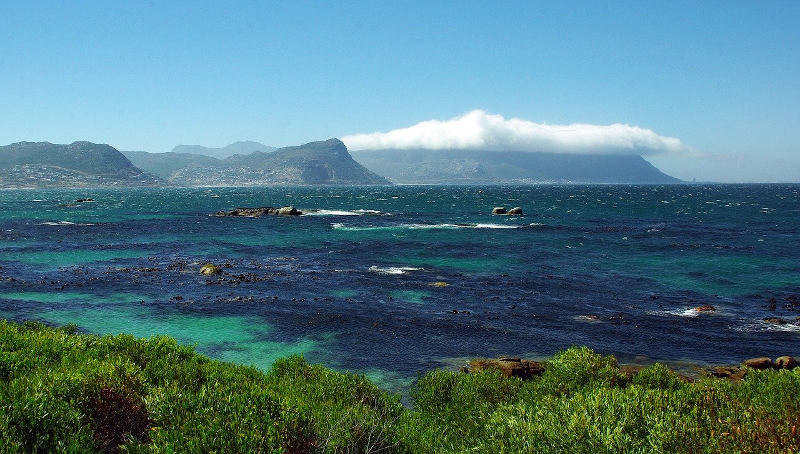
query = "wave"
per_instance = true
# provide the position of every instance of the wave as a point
(345, 213)
(62, 223)
(393, 269)
(341, 226)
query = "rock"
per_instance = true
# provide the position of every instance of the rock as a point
(508, 367)
(705, 308)
(728, 372)
(248, 212)
(289, 211)
(758, 363)
(210, 268)
(775, 320)
(439, 284)
(499, 210)
(515, 211)
(786, 362)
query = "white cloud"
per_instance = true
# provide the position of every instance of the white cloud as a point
(480, 130)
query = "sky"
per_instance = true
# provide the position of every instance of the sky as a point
(719, 81)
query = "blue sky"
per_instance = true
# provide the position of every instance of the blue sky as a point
(722, 77)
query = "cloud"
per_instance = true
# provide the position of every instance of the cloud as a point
(480, 130)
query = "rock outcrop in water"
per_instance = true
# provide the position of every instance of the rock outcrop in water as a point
(261, 211)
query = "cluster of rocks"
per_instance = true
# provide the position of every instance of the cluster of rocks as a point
(528, 369)
(762, 363)
(516, 211)
(261, 211)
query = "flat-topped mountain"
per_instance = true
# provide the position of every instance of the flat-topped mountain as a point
(79, 164)
(241, 147)
(508, 167)
(323, 162)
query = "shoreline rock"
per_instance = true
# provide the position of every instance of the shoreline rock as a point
(527, 369)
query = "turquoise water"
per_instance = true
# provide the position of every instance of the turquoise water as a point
(618, 268)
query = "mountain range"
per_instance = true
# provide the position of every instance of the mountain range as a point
(85, 164)
(323, 162)
(241, 147)
(421, 166)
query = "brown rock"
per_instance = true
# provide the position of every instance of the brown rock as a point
(758, 363)
(775, 320)
(705, 308)
(728, 372)
(786, 362)
(499, 210)
(508, 367)
(289, 211)
(515, 211)
(210, 268)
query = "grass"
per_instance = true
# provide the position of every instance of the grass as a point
(67, 392)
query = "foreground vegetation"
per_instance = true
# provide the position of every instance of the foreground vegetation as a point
(67, 392)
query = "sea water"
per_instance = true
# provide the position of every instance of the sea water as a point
(394, 281)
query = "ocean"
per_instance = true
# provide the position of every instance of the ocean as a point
(395, 281)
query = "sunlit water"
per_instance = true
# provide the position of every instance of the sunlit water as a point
(617, 268)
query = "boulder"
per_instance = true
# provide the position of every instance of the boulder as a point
(515, 211)
(508, 367)
(289, 211)
(728, 372)
(786, 362)
(758, 363)
(705, 308)
(775, 321)
(210, 268)
(439, 284)
(499, 210)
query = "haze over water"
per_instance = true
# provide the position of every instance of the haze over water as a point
(354, 286)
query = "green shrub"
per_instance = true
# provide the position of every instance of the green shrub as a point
(64, 392)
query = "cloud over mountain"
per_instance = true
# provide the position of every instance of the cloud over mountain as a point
(480, 130)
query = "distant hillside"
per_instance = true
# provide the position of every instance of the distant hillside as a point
(164, 165)
(79, 164)
(507, 167)
(242, 147)
(324, 162)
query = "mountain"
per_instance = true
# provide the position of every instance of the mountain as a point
(242, 147)
(324, 162)
(79, 164)
(507, 167)
(164, 165)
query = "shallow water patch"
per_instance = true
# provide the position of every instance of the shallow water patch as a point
(240, 339)
(411, 296)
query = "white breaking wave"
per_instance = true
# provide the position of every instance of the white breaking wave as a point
(62, 223)
(340, 226)
(480, 130)
(345, 213)
(393, 269)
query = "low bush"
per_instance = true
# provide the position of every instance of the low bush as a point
(66, 392)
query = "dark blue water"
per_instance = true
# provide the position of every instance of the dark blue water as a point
(617, 268)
